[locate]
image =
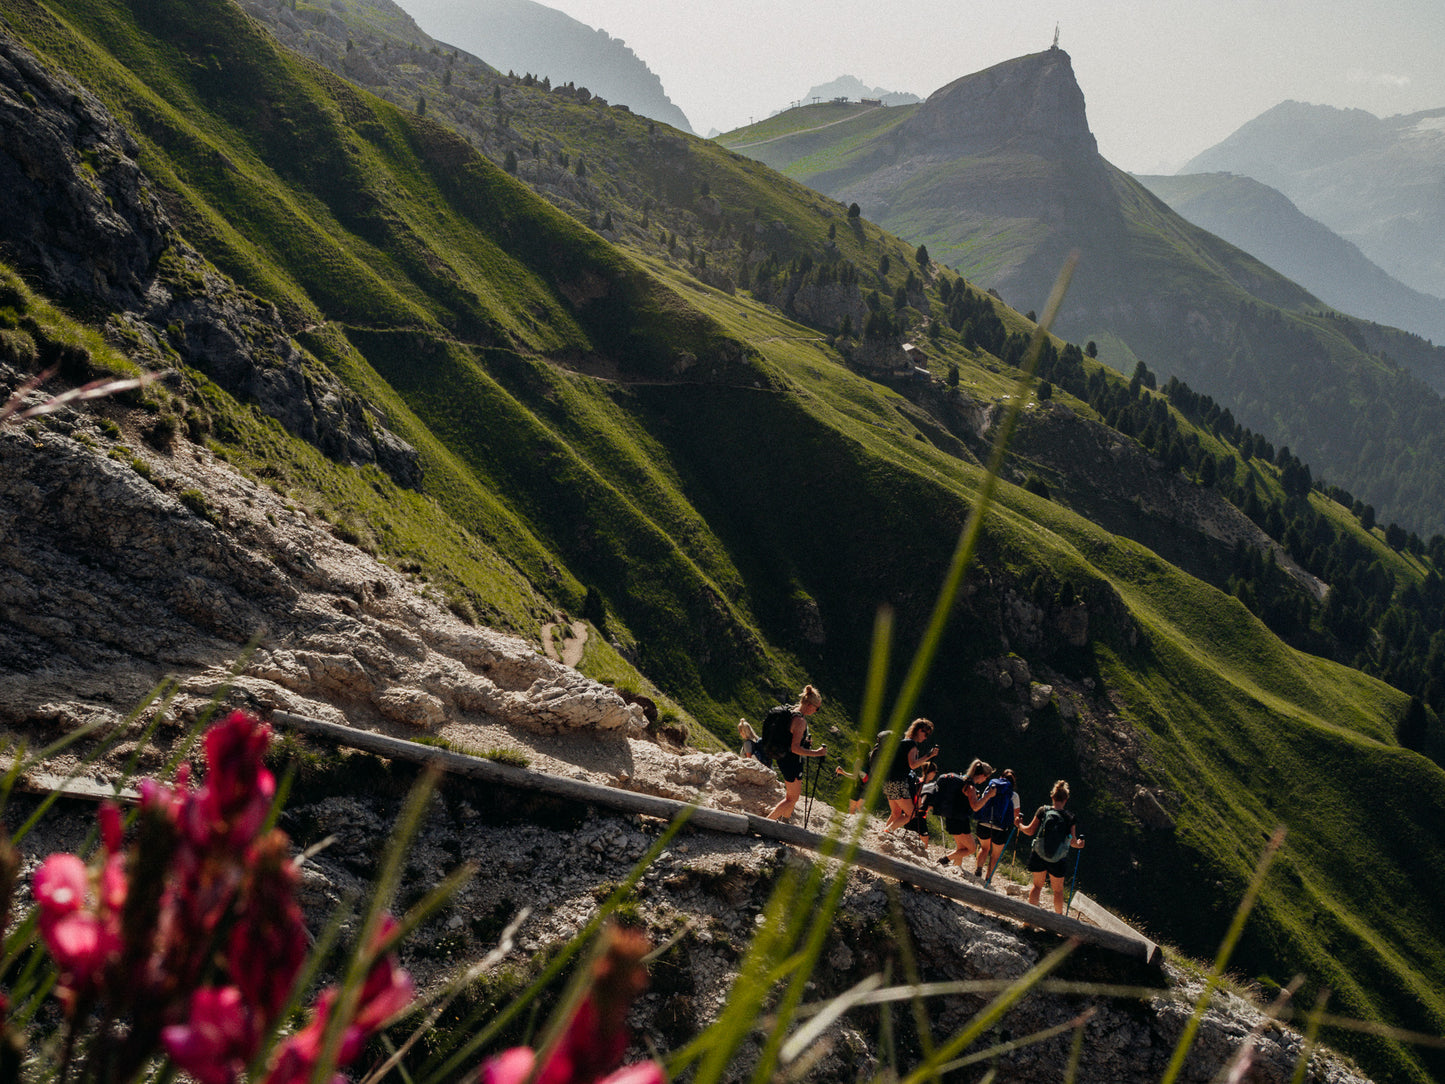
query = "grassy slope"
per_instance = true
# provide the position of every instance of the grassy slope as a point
(710, 511)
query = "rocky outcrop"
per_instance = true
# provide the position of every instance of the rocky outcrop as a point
(1031, 103)
(120, 564)
(80, 218)
(706, 894)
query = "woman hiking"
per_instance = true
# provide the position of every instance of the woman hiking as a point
(791, 761)
(910, 756)
(1057, 833)
(997, 818)
(960, 823)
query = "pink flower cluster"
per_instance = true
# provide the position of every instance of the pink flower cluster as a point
(192, 933)
(595, 1038)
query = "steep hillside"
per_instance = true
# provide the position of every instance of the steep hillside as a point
(1373, 181)
(1263, 222)
(633, 433)
(523, 36)
(998, 174)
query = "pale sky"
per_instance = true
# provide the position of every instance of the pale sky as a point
(1163, 79)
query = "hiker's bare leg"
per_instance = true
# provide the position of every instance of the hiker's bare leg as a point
(791, 793)
(962, 848)
(1057, 884)
(1036, 893)
(898, 810)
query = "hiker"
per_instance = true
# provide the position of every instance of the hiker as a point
(790, 756)
(957, 800)
(997, 818)
(922, 789)
(862, 777)
(855, 788)
(1057, 833)
(750, 740)
(909, 757)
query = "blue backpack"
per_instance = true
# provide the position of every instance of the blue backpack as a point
(999, 810)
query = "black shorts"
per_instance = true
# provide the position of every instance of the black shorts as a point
(993, 832)
(958, 826)
(1058, 869)
(791, 766)
(897, 790)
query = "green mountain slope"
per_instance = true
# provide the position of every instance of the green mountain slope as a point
(742, 490)
(998, 175)
(1263, 222)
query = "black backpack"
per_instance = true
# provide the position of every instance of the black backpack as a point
(875, 754)
(1052, 842)
(944, 793)
(777, 736)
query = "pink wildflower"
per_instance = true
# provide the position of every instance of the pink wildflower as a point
(218, 1040)
(386, 991)
(232, 803)
(61, 885)
(81, 936)
(112, 827)
(268, 943)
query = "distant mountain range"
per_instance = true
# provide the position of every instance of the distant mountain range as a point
(850, 86)
(1378, 183)
(998, 174)
(522, 36)
(1266, 224)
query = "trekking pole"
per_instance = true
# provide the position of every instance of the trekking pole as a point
(1074, 880)
(994, 864)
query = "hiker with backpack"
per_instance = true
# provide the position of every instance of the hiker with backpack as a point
(785, 739)
(997, 818)
(923, 786)
(868, 771)
(751, 740)
(1056, 833)
(897, 787)
(957, 800)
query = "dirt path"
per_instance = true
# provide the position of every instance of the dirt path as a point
(574, 642)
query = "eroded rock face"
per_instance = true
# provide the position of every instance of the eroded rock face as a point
(714, 889)
(1033, 102)
(119, 565)
(80, 217)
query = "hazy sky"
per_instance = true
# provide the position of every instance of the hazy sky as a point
(1163, 79)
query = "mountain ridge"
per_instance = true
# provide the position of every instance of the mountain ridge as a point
(1007, 201)
(526, 36)
(1372, 180)
(1264, 222)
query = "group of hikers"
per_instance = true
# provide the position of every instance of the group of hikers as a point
(979, 808)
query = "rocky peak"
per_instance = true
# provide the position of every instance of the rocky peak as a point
(1031, 103)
